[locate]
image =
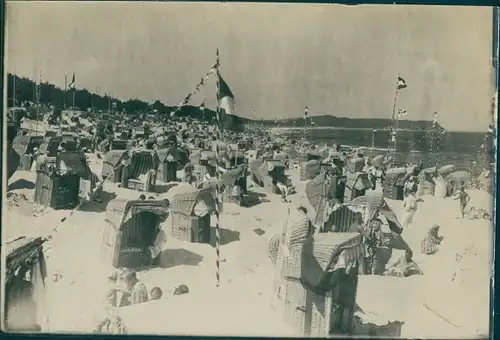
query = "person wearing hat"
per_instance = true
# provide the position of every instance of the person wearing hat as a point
(137, 291)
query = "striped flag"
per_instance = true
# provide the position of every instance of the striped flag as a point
(226, 97)
(402, 113)
(72, 84)
(401, 83)
(227, 111)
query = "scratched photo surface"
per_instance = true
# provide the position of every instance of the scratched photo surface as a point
(248, 169)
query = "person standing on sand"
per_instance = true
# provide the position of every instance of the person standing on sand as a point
(188, 172)
(113, 293)
(138, 293)
(410, 205)
(464, 198)
(372, 242)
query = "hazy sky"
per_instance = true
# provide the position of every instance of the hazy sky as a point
(339, 60)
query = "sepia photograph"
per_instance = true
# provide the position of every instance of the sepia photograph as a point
(248, 169)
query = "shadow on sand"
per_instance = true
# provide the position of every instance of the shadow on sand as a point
(98, 206)
(21, 184)
(226, 236)
(178, 257)
(252, 198)
(161, 188)
(391, 329)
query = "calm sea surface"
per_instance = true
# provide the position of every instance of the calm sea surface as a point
(459, 148)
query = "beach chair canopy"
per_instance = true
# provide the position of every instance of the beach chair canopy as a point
(316, 190)
(187, 200)
(274, 163)
(458, 176)
(143, 160)
(375, 203)
(358, 181)
(324, 253)
(50, 144)
(13, 160)
(25, 144)
(119, 210)
(447, 169)
(377, 160)
(255, 164)
(69, 163)
(232, 154)
(23, 251)
(231, 176)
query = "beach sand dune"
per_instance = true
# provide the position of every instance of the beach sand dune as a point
(450, 300)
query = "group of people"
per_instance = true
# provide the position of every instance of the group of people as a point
(124, 289)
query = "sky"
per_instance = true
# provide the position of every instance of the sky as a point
(276, 58)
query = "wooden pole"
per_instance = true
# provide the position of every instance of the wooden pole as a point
(217, 195)
(391, 138)
(65, 89)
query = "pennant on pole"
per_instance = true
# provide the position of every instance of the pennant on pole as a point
(402, 113)
(72, 84)
(401, 83)
(435, 118)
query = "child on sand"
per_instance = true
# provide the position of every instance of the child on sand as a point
(431, 242)
(112, 324)
(464, 198)
(410, 205)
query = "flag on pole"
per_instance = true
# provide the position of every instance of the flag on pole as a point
(490, 128)
(202, 106)
(72, 84)
(226, 97)
(226, 110)
(401, 83)
(435, 118)
(402, 113)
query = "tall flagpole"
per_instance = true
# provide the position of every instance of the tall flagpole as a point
(217, 196)
(400, 84)
(14, 89)
(392, 137)
(65, 89)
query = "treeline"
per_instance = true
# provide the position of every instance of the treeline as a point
(49, 94)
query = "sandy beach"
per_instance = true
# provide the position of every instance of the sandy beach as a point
(451, 299)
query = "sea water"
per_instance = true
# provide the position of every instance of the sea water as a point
(459, 148)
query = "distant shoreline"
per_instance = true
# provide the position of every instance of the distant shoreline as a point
(338, 128)
(285, 128)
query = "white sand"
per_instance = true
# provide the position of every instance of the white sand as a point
(242, 304)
